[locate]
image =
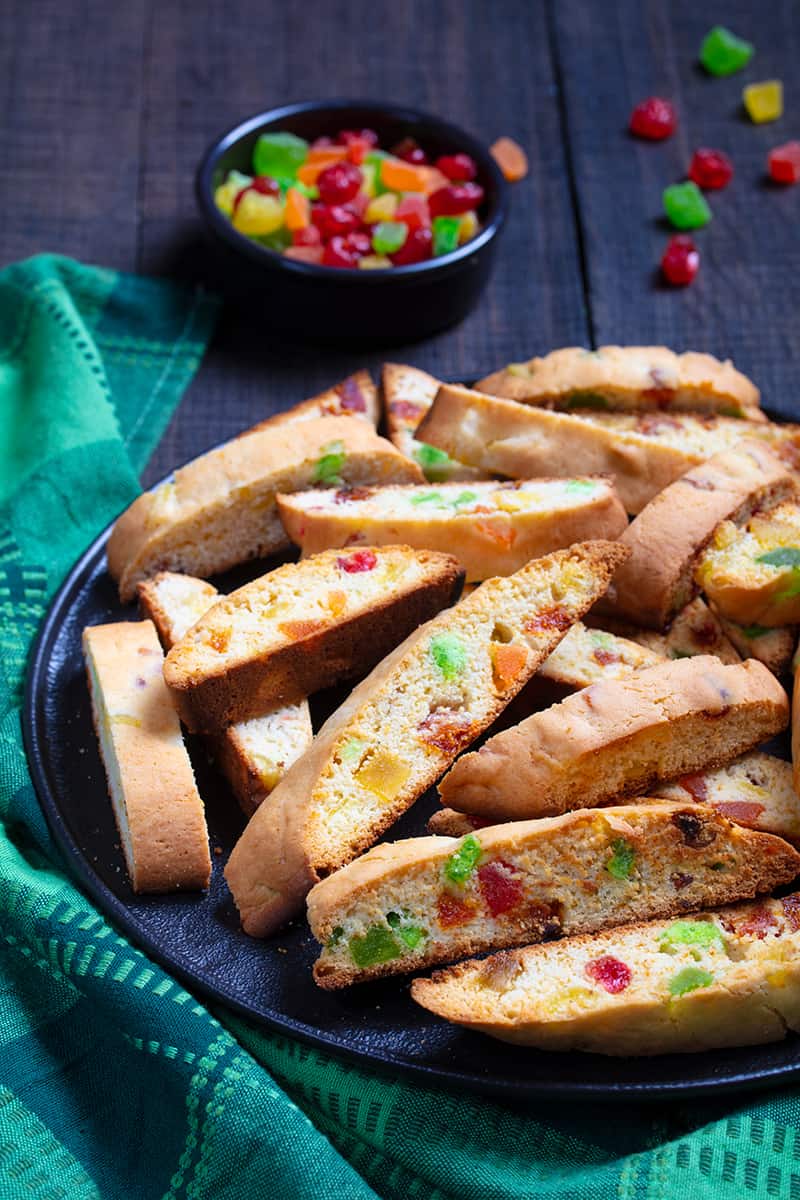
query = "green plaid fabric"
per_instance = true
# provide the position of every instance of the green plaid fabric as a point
(114, 1081)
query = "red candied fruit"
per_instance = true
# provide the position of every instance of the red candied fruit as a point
(653, 119)
(339, 252)
(609, 972)
(710, 169)
(411, 152)
(263, 184)
(351, 398)
(458, 167)
(680, 261)
(784, 163)
(413, 211)
(334, 220)
(605, 657)
(500, 887)
(455, 199)
(696, 786)
(362, 560)
(338, 183)
(417, 247)
(347, 136)
(308, 236)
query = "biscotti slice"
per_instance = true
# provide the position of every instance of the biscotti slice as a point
(408, 393)
(492, 528)
(724, 978)
(220, 509)
(588, 655)
(159, 813)
(403, 726)
(411, 904)
(521, 442)
(752, 574)
(254, 754)
(618, 737)
(304, 627)
(628, 377)
(669, 535)
(755, 790)
(773, 647)
(355, 396)
(694, 630)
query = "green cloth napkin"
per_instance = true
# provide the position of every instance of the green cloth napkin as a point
(114, 1082)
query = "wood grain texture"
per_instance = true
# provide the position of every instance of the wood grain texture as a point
(744, 302)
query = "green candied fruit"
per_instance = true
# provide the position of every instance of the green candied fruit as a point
(378, 945)
(691, 933)
(730, 410)
(434, 462)
(754, 631)
(279, 155)
(428, 497)
(449, 653)
(278, 240)
(686, 206)
(352, 749)
(723, 53)
(329, 464)
(389, 236)
(464, 498)
(689, 980)
(586, 400)
(623, 856)
(579, 486)
(336, 936)
(445, 234)
(409, 933)
(782, 556)
(463, 861)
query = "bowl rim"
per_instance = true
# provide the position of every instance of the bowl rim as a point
(239, 242)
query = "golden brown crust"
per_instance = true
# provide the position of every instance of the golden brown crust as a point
(563, 862)
(344, 646)
(278, 857)
(521, 442)
(635, 377)
(668, 535)
(158, 810)
(619, 737)
(220, 510)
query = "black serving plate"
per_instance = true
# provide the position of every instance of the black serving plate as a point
(197, 937)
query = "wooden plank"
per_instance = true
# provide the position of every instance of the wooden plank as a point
(69, 169)
(209, 66)
(744, 303)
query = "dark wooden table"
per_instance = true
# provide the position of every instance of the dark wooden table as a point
(107, 109)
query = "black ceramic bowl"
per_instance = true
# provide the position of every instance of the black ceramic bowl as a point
(331, 304)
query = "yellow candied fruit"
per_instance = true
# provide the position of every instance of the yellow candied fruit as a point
(368, 178)
(337, 602)
(382, 208)
(125, 719)
(258, 215)
(384, 774)
(269, 772)
(571, 996)
(778, 979)
(521, 370)
(764, 101)
(225, 195)
(374, 262)
(468, 226)
(512, 502)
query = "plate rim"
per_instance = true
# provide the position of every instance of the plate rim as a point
(113, 907)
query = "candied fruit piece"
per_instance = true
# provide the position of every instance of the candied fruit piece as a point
(463, 861)
(306, 254)
(461, 168)
(329, 464)
(764, 101)
(549, 619)
(410, 151)
(723, 53)
(452, 910)
(710, 169)
(388, 236)
(302, 628)
(680, 261)
(743, 812)
(446, 728)
(413, 211)
(377, 945)
(361, 560)
(279, 155)
(352, 749)
(784, 163)
(690, 933)
(508, 663)
(455, 199)
(686, 206)
(225, 195)
(500, 886)
(468, 226)
(445, 235)
(623, 858)
(257, 214)
(654, 119)
(382, 208)
(510, 158)
(781, 556)
(298, 210)
(757, 922)
(689, 980)
(449, 654)
(338, 183)
(611, 973)
(435, 463)
(417, 247)
(337, 602)
(403, 176)
(384, 774)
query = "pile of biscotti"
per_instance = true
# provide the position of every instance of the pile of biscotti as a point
(616, 841)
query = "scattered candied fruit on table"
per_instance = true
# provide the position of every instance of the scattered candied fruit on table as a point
(680, 261)
(784, 163)
(345, 202)
(685, 206)
(764, 101)
(710, 169)
(653, 119)
(723, 53)
(510, 158)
